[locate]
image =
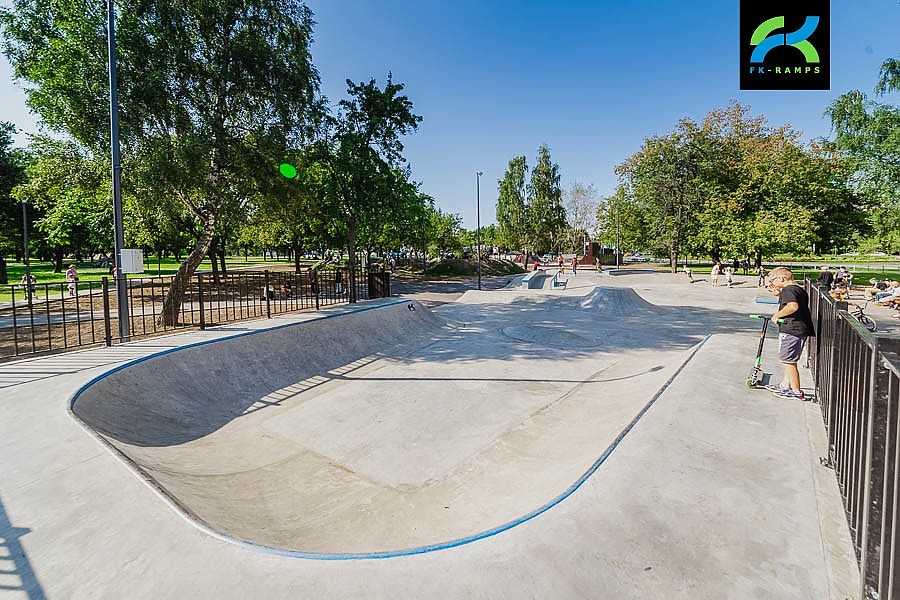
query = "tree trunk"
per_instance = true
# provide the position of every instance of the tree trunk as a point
(224, 268)
(758, 258)
(181, 280)
(213, 262)
(57, 261)
(295, 246)
(4, 276)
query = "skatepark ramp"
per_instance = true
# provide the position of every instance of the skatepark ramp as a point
(181, 396)
(384, 430)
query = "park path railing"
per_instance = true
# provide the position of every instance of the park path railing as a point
(59, 316)
(857, 377)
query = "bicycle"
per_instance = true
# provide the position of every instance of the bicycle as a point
(858, 312)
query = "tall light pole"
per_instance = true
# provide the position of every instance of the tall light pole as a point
(118, 224)
(478, 175)
(25, 247)
(617, 238)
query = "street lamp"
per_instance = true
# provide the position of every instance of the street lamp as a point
(118, 224)
(617, 238)
(478, 175)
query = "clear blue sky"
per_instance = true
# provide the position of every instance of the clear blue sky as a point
(495, 79)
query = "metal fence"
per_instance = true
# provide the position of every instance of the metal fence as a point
(58, 316)
(857, 377)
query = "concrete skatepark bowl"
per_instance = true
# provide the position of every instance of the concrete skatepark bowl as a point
(392, 428)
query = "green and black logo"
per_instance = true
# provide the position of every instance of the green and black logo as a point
(785, 46)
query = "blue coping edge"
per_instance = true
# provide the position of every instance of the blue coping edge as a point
(185, 513)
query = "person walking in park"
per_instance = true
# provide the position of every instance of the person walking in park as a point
(729, 276)
(793, 308)
(761, 274)
(29, 284)
(71, 279)
(826, 278)
(574, 266)
(689, 273)
(714, 274)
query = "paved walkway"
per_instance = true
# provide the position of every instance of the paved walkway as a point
(715, 492)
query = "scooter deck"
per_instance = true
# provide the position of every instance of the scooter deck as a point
(761, 380)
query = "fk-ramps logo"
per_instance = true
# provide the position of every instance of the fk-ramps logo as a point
(785, 45)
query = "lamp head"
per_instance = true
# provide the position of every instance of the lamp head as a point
(479, 173)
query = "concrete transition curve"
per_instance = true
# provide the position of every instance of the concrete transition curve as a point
(392, 428)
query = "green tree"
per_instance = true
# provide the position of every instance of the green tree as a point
(68, 186)
(546, 217)
(733, 186)
(12, 173)
(209, 90)
(443, 232)
(868, 133)
(361, 156)
(511, 207)
(662, 180)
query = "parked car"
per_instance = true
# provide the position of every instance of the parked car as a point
(637, 258)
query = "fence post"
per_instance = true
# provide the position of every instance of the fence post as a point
(314, 286)
(832, 383)
(266, 293)
(107, 325)
(876, 464)
(200, 300)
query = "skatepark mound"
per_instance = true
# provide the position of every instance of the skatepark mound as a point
(616, 302)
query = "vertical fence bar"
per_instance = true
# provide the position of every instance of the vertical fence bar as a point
(62, 304)
(315, 286)
(12, 292)
(266, 294)
(91, 305)
(78, 312)
(31, 320)
(107, 324)
(876, 467)
(889, 534)
(200, 300)
(62, 296)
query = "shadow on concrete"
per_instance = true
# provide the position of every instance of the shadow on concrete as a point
(16, 574)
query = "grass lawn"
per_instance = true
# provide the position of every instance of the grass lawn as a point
(43, 271)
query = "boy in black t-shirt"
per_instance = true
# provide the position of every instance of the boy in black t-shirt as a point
(793, 307)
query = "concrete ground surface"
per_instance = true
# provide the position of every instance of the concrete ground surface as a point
(591, 442)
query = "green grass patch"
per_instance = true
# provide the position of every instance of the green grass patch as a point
(153, 267)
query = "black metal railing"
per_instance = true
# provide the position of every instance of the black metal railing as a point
(857, 377)
(59, 316)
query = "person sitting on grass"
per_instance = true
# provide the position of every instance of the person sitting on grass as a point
(793, 308)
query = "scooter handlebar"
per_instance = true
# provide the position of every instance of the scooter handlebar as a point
(765, 317)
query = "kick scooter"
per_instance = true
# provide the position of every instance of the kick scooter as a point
(755, 377)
